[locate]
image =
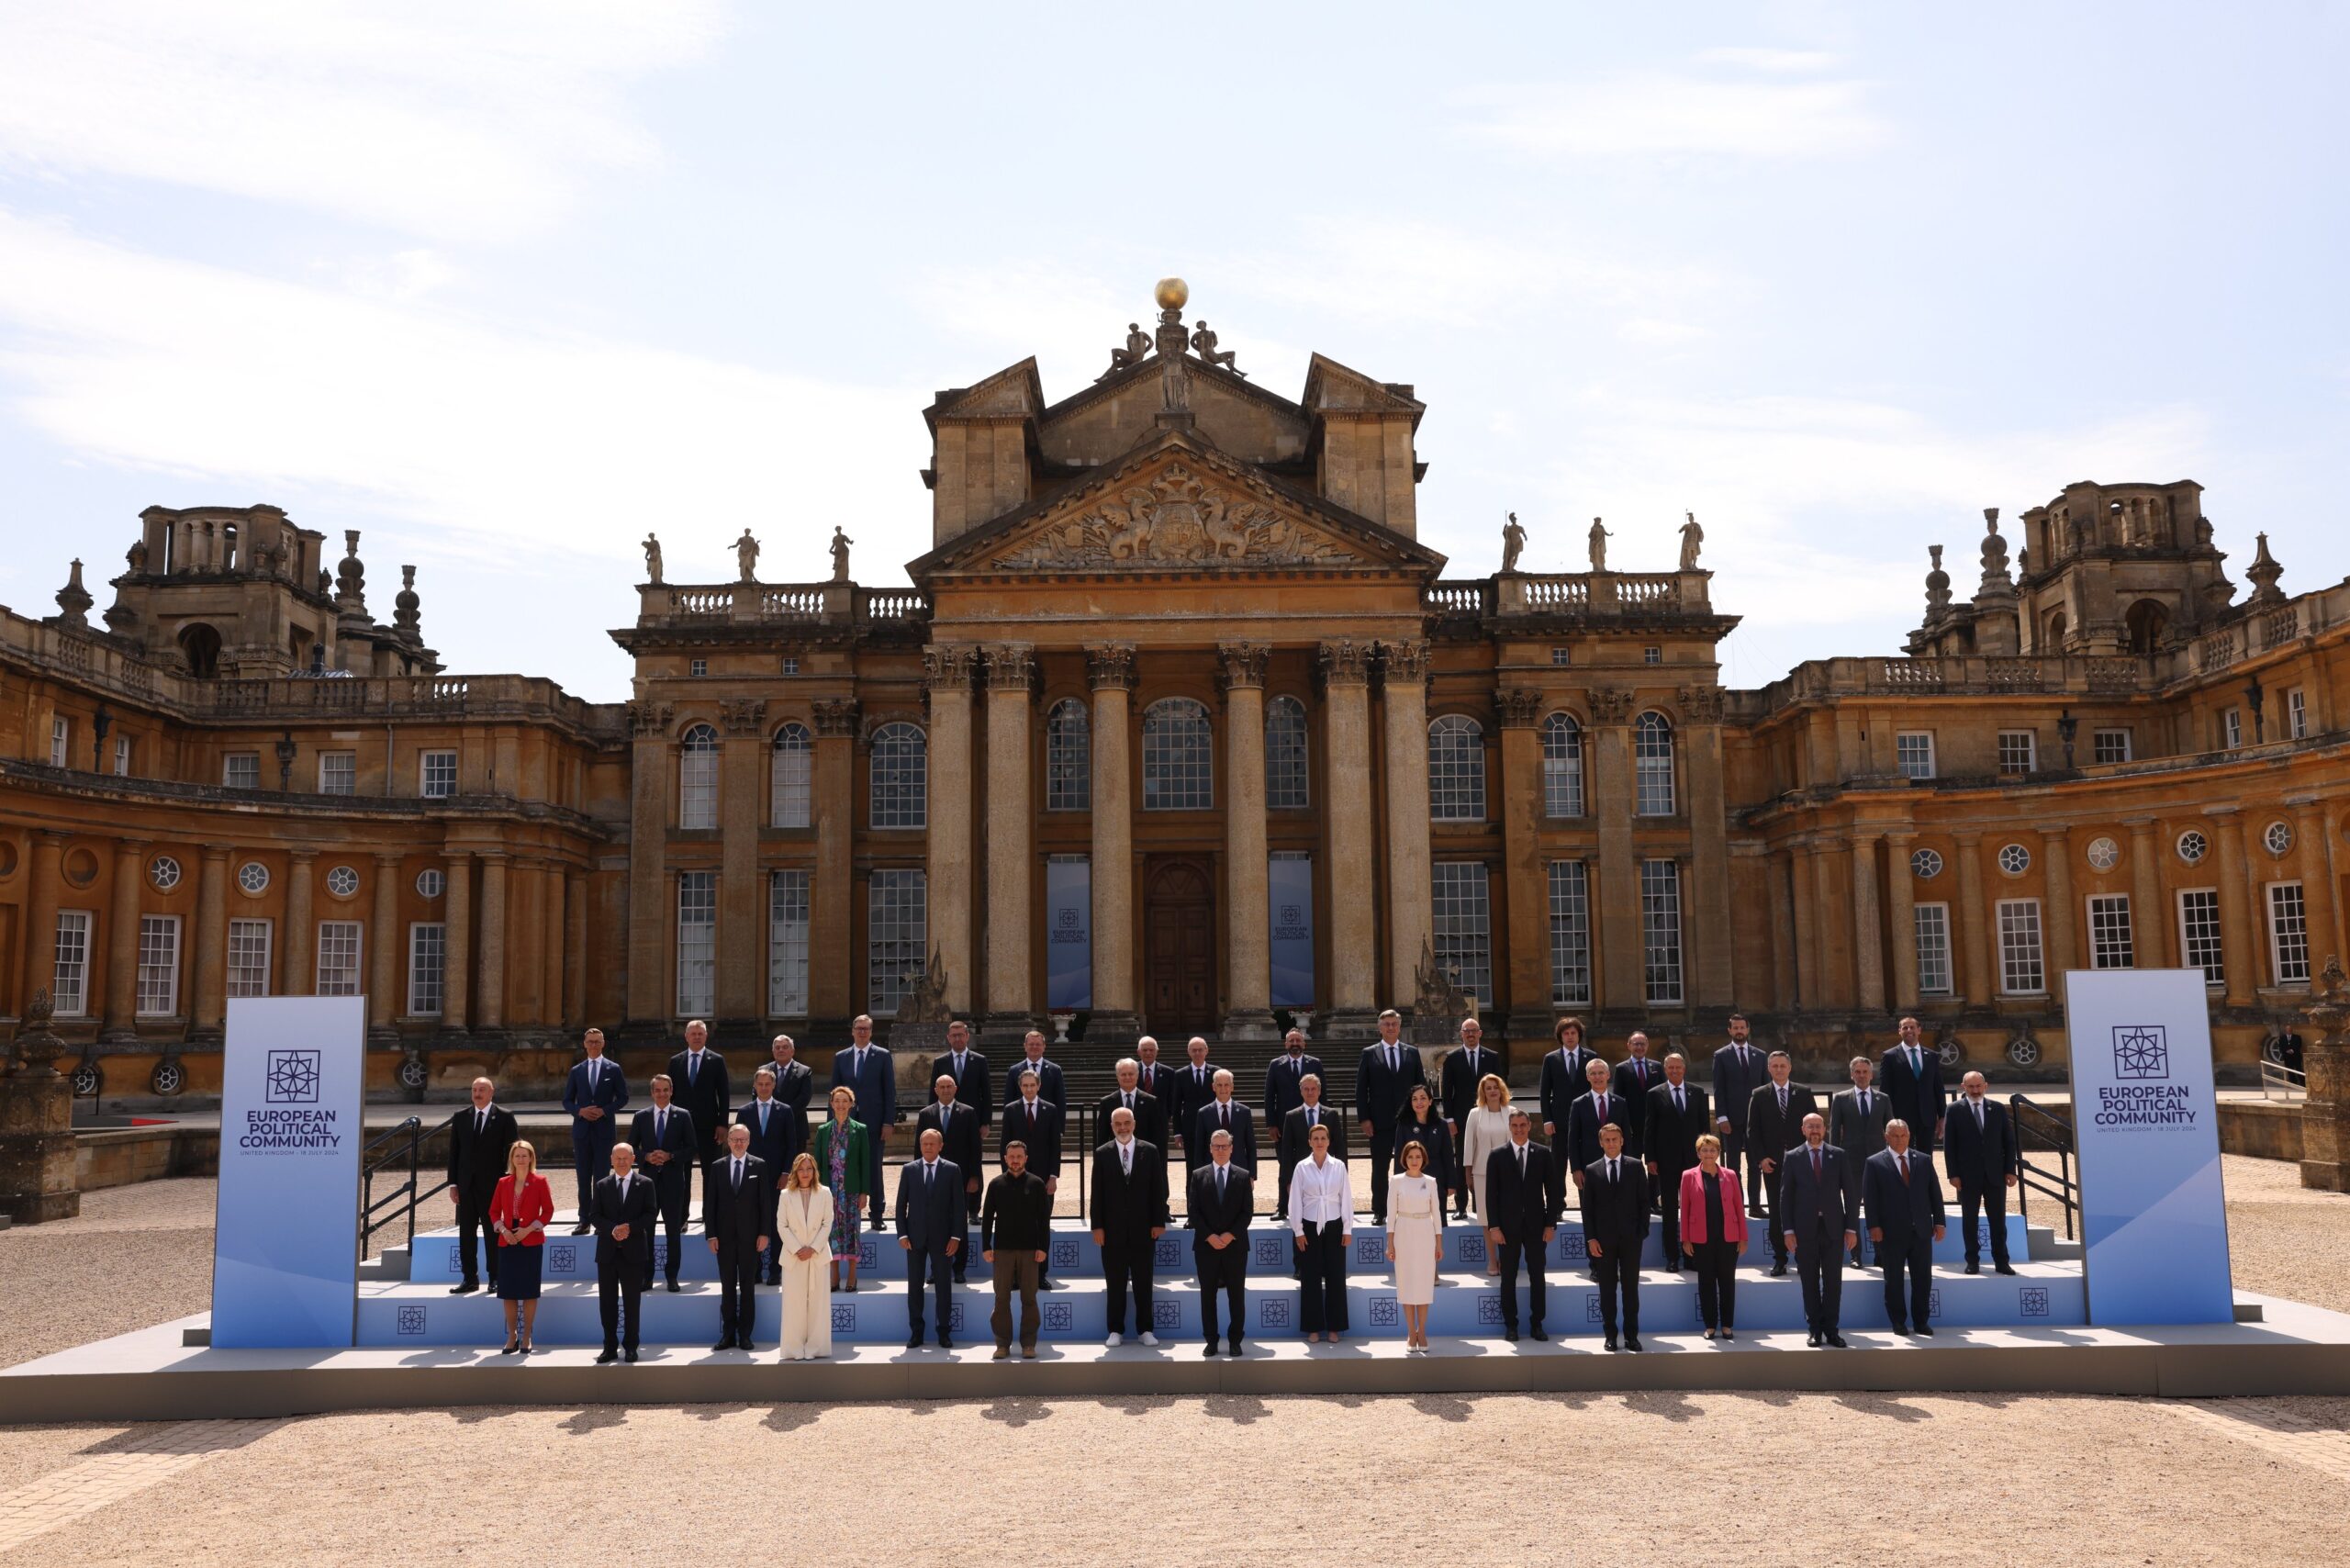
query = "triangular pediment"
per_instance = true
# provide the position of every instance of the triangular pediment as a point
(1231, 413)
(1176, 504)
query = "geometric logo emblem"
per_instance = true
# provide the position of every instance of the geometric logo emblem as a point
(1068, 918)
(843, 1318)
(562, 1260)
(661, 1254)
(2141, 1051)
(954, 1318)
(868, 1253)
(2032, 1301)
(410, 1321)
(293, 1078)
(1571, 1247)
(1370, 1250)
(1064, 1252)
(1472, 1248)
(1274, 1313)
(1489, 1309)
(1268, 1251)
(1169, 1252)
(1059, 1317)
(456, 1259)
(1591, 1309)
(1384, 1312)
(1166, 1315)
(1934, 1301)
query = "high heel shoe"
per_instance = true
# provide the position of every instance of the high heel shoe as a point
(510, 1345)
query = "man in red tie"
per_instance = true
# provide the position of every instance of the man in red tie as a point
(1903, 1204)
(1819, 1215)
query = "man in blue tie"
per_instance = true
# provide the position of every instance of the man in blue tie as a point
(1223, 1198)
(866, 1070)
(1599, 1108)
(770, 1123)
(593, 1094)
(666, 1142)
(1912, 1074)
(933, 1217)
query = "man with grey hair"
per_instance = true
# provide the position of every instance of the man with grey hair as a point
(1221, 1200)
(1979, 1155)
(1856, 1121)
(1903, 1205)
(1390, 1069)
(479, 1136)
(1223, 1113)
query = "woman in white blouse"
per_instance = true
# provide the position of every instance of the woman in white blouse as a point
(1486, 1130)
(803, 1219)
(1322, 1219)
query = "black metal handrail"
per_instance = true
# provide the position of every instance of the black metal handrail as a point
(2037, 1126)
(406, 1141)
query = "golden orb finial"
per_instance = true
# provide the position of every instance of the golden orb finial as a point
(1171, 293)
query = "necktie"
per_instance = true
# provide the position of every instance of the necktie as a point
(1313, 1117)
(763, 1115)
(1815, 1165)
(1127, 1157)
(1227, 1114)
(1677, 1107)
(1611, 1173)
(1902, 1159)
(1521, 1162)
(1391, 1059)
(1783, 1099)
(1917, 1063)
(481, 1122)
(660, 1127)
(1865, 1104)
(1602, 1103)
(693, 1066)
(1129, 1099)
(1978, 1115)
(1219, 1180)
(738, 1175)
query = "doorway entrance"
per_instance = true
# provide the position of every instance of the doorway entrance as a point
(1179, 950)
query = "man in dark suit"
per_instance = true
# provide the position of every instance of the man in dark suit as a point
(1912, 1071)
(738, 1199)
(1637, 1073)
(1156, 1079)
(1017, 1236)
(932, 1219)
(959, 1126)
(1296, 1134)
(621, 1209)
(1222, 1202)
(1615, 1228)
(478, 1140)
(1775, 1115)
(1566, 1077)
(1595, 1110)
(664, 1137)
(1050, 1082)
(1464, 1067)
(1979, 1155)
(770, 1123)
(1384, 1080)
(1739, 1072)
(1223, 1113)
(1524, 1195)
(1194, 1087)
(795, 1086)
(1903, 1204)
(1129, 1199)
(1038, 1123)
(596, 1091)
(1856, 1121)
(969, 1069)
(1678, 1115)
(1284, 1075)
(867, 1072)
(698, 1075)
(1820, 1220)
(1151, 1112)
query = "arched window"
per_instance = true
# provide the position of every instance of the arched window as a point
(1561, 767)
(2147, 622)
(1285, 753)
(698, 779)
(201, 646)
(789, 784)
(1068, 758)
(1178, 756)
(1457, 769)
(1652, 765)
(900, 789)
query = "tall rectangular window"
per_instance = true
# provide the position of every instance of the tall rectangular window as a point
(2198, 934)
(2022, 972)
(2297, 714)
(787, 945)
(1464, 934)
(2110, 946)
(337, 957)
(60, 742)
(2289, 933)
(428, 952)
(1913, 752)
(792, 785)
(337, 773)
(2231, 729)
(1660, 931)
(896, 936)
(436, 774)
(122, 756)
(1932, 923)
(2019, 753)
(159, 965)
(696, 941)
(69, 984)
(2109, 745)
(240, 770)
(249, 957)
(1569, 933)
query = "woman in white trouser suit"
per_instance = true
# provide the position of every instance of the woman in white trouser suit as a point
(803, 1218)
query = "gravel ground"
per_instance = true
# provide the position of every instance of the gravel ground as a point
(134, 1256)
(2285, 1240)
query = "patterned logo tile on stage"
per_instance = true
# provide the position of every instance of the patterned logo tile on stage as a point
(2032, 1301)
(1934, 1301)
(868, 1252)
(1571, 1247)
(1370, 1250)
(1060, 1316)
(1064, 1251)
(293, 1078)
(2141, 1051)
(1166, 1315)
(1385, 1312)
(1269, 1250)
(660, 1254)
(1472, 1248)
(843, 1318)
(410, 1321)
(1273, 1311)
(456, 1260)
(1590, 1308)
(1489, 1309)
(1169, 1252)
(562, 1258)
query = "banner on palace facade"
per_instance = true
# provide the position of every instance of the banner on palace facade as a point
(1289, 884)
(286, 1239)
(1069, 932)
(2154, 1217)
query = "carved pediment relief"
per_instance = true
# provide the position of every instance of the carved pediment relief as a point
(1178, 516)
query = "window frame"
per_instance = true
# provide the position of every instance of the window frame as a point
(1288, 763)
(61, 741)
(1460, 924)
(332, 936)
(2297, 714)
(1456, 769)
(1570, 911)
(698, 748)
(350, 771)
(158, 979)
(2273, 899)
(1902, 747)
(230, 764)
(1068, 756)
(2112, 928)
(1933, 913)
(2215, 974)
(791, 776)
(2011, 952)
(425, 769)
(2098, 739)
(1191, 785)
(907, 888)
(2030, 739)
(423, 985)
(897, 772)
(81, 922)
(241, 970)
(1564, 773)
(787, 939)
(1655, 772)
(1663, 964)
(695, 894)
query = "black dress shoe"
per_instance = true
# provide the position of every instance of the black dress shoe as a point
(467, 1288)
(1778, 1270)
(724, 1345)
(629, 1356)
(1814, 1340)
(1973, 1268)
(1921, 1329)
(1539, 1332)
(944, 1343)
(914, 1342)
(1232, 1346)
(1510, 1335)
(582, 1228)
(1209, 1348)
(1632, 1342)
(673, 1287)
(2003, 1268)
(1837, 1341)
(1611, 1342)
(608, 1358)
(1726, 1334)
(1902, 1329)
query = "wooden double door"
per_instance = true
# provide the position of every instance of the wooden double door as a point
(1179, 952)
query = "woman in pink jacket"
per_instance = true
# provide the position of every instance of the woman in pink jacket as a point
(1713, 1233)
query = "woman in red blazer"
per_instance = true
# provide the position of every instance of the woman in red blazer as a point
(1713, 1233)
(519, 1214)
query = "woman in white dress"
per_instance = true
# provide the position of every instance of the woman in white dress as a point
(803, 1218)
(1486, 1130)
(1414, 1240)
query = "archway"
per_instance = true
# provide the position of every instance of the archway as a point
(2147, 622)
(1178, 948)
(200, 645)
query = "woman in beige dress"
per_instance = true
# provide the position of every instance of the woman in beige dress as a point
(1486, 1130)
(803, 1219)
(1415, 1240)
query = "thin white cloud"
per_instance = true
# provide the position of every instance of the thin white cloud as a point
(1772, 60)
(432, 117)
(1654, 113)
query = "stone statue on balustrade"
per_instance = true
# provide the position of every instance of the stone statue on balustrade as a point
(1598, 546)
(1439, 1003)
(746, 557)
(1203, 344)
(1137, 349)
(921, 1020)
(1693, 538)
(652, 560)
(841, 541)
(1513, 543)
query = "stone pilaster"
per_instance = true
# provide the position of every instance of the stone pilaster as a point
(1411, 875)
(301, 923)
(457, 942)
(2150, 917)
(651, 907)
(1525, 877)
(1827, 894)
(386, 947)
(490, 995)
(122, 942)
(2239, 918)
(2318, 902)
(1247, 919)
(833, 993)
(1712, 954)
(1980, 982)
(1777, 881)
(741, 995)
(2056, 855)
(40, 913)
(1868, 935)
(550, 934)
(1011, 682)
(1807, 928)
(1345, 721)
(576, 886)
(1901, 920)
(210, 980)
(952, 874)
(1110, 671)
(1621, 986)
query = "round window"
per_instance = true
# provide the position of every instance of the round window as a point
(343, 881)
(2104, 853)
(2278, 838)
(429, 883)
(2193, 847)
(165, 872)
(2014, 860)
(253, 876)
(1926, 865)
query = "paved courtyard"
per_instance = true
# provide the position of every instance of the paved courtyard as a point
(1482, 1479)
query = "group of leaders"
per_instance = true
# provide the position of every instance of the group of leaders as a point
(1637, 1143)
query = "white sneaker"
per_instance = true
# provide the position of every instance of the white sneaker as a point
(1114, 1341)
(1151, 1339)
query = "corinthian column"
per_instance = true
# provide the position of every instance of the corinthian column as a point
(1110, 669)
(1410, 878)
(1248, 928)
(1346, 719)
(1011, 675)
(946, 672)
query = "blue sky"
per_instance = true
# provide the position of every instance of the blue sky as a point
(505, 288)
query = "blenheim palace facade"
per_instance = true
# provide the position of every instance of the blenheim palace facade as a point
(1178, 726)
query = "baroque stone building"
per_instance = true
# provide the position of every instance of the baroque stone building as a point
(1177, 726)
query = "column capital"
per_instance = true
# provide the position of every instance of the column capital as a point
(388, 860)
(1241, 665)
(835, 717)
(493, 856)
(1404, 658)
(1611, 704)
(1521, 707)
(1110, 667)
(1345, 661)
(1012, 666)
(1701, 704)
(2052, 832)
(302, 854)
(949, 666)
(2140, 827)
(217, 853)
(648, 720)
(1900, 839)
(1966, 837)
(136, 843)
(742, 716)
